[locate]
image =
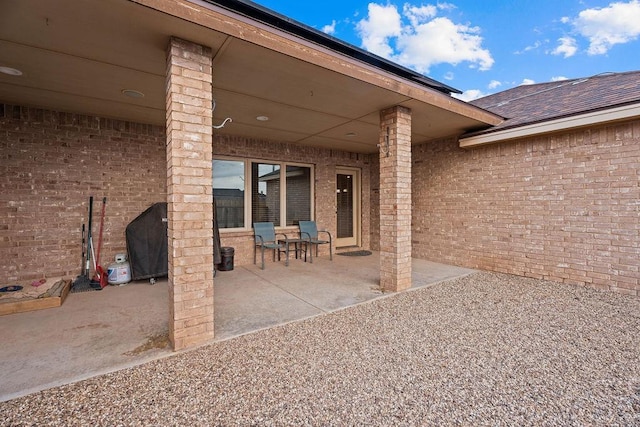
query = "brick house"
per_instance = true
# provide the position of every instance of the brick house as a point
(127, 98)
(552, 192)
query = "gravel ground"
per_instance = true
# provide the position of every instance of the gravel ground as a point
(486, 349)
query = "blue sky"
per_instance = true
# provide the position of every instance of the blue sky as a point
(483, 47)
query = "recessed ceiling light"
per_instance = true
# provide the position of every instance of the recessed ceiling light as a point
(132, 93)
(262, 118)
(10, 71)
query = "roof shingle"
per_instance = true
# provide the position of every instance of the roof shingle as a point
(528, 104)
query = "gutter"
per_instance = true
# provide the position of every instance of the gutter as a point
(588, 119)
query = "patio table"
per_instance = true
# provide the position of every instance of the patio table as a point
(297, 245)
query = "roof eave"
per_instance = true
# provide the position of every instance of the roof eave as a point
(283, 23)
(591, 118)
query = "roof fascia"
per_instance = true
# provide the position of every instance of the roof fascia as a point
(565, 123)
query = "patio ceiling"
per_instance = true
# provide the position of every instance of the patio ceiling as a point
(79, 56)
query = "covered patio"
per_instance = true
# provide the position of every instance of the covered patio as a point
(136, 101)
(122, 326)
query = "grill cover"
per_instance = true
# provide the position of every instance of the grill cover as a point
(147, 243)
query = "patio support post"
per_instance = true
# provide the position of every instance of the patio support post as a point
(395, 199)
(189, 193)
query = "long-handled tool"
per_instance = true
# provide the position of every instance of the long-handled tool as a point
(82, 282)
(90, 250)
(82, 266)
(89, 242)
(100, 276)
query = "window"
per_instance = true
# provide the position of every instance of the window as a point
(248, 191)
(265, 193)
(298, 194)
(228, 193)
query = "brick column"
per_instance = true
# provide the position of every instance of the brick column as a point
(395, 199)
(189, 193)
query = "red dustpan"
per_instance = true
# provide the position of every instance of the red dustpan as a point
(102, 276)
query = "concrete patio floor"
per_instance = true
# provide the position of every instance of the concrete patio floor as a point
(121, 326)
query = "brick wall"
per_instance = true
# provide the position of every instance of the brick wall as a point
(325, 163)
(189, 193)
(564, 207)
(395, 199)
(50, 163)
(374, 202)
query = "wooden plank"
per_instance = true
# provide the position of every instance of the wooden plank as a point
(36, 303)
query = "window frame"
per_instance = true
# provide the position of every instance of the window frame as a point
(248, 214)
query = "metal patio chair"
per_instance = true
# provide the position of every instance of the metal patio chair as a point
(309, 230)
(265, 238)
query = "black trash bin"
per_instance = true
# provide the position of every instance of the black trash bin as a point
(226, 253)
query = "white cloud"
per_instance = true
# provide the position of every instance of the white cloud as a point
(419, 38)
(448, 76)
(527, 82)
(469, 95)
(558, 78)
(418, 14)
(381, 23)
(330, 28)
(567, 47)
(605, 27)
(447, 6)
(493, 84)
(534, 46)
(442, 41)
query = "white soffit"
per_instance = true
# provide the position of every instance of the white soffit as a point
(565, 123)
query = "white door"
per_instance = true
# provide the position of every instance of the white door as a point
(347, 207)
